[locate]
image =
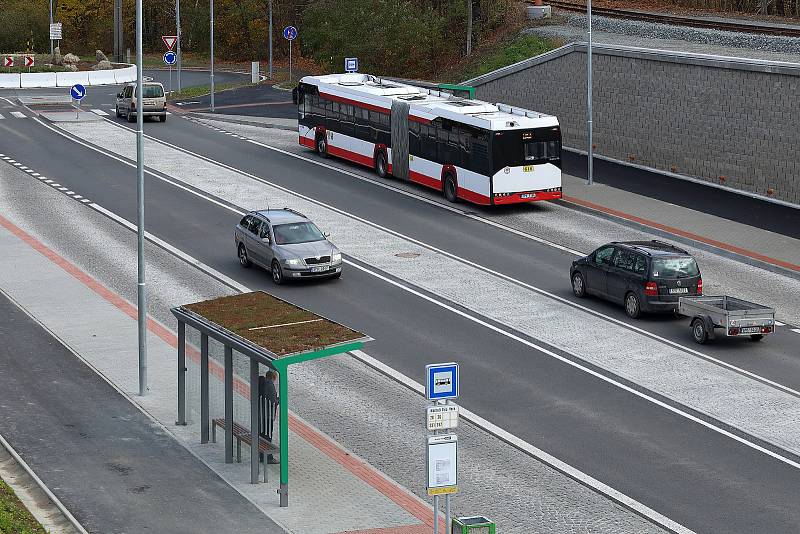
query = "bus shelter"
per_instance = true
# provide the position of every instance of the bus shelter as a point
(269, 332)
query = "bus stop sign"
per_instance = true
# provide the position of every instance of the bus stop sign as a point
(441, 381)
(351, 64)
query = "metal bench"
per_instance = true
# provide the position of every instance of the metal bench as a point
(242, 434)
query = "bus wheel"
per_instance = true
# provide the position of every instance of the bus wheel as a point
(322, 146)
(450, 189)
(380, 164)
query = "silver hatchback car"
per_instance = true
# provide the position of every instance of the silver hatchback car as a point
(287, 244)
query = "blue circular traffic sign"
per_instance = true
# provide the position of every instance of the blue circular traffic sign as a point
(290, 33)
(77, 91)
(170, 57)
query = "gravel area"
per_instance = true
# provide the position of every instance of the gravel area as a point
(678, 38)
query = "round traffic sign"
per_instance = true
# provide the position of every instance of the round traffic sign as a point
(77, 91)
(290, 33)
(170, 57)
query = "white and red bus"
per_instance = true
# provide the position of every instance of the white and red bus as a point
(484, 153)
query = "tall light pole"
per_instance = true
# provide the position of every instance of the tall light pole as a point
(140, 293)
(178, 33)
(590, 152)
(212, 56)
(270, 39)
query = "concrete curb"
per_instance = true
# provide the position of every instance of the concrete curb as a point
(243, 122)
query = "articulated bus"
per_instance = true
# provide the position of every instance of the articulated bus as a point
(488, 154)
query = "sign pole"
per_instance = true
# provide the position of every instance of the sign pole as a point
(170, 78)
(290, 62)
(140, 293)
(51, 21)
(447, 500)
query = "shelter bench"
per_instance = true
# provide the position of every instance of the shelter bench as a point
(242, 434)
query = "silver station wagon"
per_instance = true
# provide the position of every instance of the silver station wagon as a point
(287, 244)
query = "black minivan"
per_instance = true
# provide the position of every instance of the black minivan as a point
(644, 276)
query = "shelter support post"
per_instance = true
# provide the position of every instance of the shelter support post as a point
(203, 388)
(181, 373)
(228, 405)
(283, 387)
(254, 439)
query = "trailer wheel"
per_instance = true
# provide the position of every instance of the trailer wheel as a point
(699, 331)
(757, 337)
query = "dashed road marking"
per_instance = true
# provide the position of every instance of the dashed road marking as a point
(55, 185)
(1, 116)
(19, 115)
(796, 330)
(778, 323)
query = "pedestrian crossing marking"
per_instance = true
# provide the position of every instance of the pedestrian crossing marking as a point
(99, 112)
(19, 115)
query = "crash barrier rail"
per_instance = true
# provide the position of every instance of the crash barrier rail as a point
(26, 80)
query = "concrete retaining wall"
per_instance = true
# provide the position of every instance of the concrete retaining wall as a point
(67, 79)
(729, 121)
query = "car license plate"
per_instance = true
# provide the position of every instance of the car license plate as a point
(319, 269)
(528, 195)
(750, 330)
(674, 290)
(527, 168)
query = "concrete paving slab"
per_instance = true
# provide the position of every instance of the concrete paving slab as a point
(70, 116)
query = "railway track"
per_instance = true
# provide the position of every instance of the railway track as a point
(678, 20)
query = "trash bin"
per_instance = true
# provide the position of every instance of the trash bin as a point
(473, 525)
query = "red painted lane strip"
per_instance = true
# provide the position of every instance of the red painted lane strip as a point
(682, 233)
(333, 450)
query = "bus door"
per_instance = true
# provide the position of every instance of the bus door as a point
(399, 125)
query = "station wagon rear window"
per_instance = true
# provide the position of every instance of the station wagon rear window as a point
(675, 268)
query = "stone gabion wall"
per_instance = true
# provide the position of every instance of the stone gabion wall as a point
(723, 120)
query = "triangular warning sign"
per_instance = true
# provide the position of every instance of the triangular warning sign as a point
(169, 40)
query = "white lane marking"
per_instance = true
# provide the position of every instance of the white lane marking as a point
(70, 192)
(84, 200)
(796, 330)
(465, 261)
(1, 116)
(17, 164)
(531, 450)
(19, 115)
(77, 197)
(285, 324)
(778, 323)
(29, 171)
(542, 456)
(577, 365)
(43, 178)
(99, 112)
(62, 188)
(55, 184)
(476, 318)
(35, 174)
(167, 113)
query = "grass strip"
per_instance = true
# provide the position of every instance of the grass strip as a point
(513, 51)
(202, 90)
(14, 517)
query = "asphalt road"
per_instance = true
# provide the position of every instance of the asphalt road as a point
(100, 454)
(256, 100)
(681, 469)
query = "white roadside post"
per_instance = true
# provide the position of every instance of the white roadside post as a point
(590, 152)
(141, 300)
(441, 385)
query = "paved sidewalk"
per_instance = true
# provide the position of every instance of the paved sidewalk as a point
(331, 490)
(738, 238)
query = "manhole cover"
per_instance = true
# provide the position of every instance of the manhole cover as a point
(407, 254)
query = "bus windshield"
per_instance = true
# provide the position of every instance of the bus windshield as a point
(515, 148)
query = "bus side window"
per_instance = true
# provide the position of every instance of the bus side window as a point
(428, 142)
(413, 137)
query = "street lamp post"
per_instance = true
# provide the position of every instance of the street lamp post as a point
(51, 23)
(590, 152)
(140, 290)
(178, 33)
(270, 39)
(212, 56)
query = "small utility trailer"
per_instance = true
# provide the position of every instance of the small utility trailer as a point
(736, 317)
